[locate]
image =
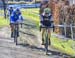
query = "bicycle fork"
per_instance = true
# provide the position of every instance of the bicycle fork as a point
(16, 33)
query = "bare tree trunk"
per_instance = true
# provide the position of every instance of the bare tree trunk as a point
(4, 7)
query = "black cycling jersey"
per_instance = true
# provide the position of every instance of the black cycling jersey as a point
(47, 17)
(46, 20)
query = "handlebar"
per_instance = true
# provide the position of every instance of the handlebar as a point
(49, 21)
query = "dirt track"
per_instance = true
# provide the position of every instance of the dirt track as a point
(29, 44)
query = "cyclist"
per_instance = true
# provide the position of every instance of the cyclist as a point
(15, 17)
(46, 21)
(10, 11)
(42, 6)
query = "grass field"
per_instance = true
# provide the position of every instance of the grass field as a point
(31, 14)
(1, 11)
(67, 47)
(3, 22)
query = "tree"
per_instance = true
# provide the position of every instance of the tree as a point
(4, 7)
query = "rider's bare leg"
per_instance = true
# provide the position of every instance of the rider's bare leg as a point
(43, 30)
(12, 28)
(49, 35)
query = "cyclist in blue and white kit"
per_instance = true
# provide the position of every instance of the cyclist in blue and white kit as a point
(10, 11)
(16, 17)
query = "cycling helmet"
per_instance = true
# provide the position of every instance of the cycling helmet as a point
(47, 10)
(11, 7)
(17, 9)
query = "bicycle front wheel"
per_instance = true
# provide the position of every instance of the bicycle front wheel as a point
(46, 43)
(15, 37)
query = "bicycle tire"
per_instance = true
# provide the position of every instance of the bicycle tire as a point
(46, 43)
(15, 36)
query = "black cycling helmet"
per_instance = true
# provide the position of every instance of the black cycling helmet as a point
(17, 9)
(11, 7)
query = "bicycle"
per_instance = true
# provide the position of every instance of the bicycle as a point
(16, 32)
(46, 39)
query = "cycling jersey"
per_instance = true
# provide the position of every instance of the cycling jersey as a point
(10, 11)
(45, 17)
(16, 17)
(20, 19)
(46, 20)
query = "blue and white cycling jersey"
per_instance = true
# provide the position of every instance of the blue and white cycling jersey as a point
(20, 19)
(16, 17)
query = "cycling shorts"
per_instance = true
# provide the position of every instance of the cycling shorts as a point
(46, 23)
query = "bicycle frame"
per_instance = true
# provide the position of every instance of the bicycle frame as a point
(46, 33)
(16, 32)
(46, 39)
